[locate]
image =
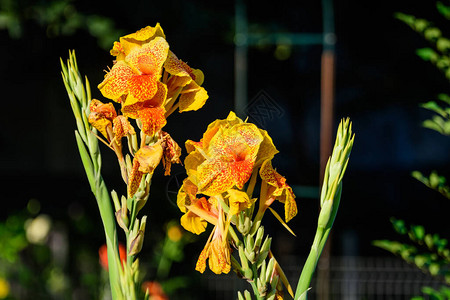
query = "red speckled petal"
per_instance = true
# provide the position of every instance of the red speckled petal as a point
(215, 177)
(283, 192)
(177, 67)
(201, 262)
(121, 128)
(290, 206)
(131, 106)
(142, 87)
(134, 179)
(115, 83)
(153, 120)
(159, 98)
(150, 58)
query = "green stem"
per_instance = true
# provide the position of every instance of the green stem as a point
(310, 264)
(108, 219)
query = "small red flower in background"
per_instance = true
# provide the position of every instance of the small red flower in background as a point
(155, 290)
(103, 255)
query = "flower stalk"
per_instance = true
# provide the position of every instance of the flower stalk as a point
(329, 202)
(87, 143)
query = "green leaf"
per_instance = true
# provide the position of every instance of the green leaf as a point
(434, 269)
(418, 232)
(408, 19)
(430, 124)
(432, 33)
(443, 9)
(421, 24)
(443, 44)
(429, 241)
(444, 97)
(399, 226)
(427, 54)
(433, 106)
(434, 179)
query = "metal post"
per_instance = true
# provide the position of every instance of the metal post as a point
(326, 131)
(240, 59)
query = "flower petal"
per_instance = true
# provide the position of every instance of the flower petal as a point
(177, 67)
(201, 262)
(140, 37)
(114, 85)
(150, 58)
(193, 223)
(267, 149)
(193, 100)
(142, 87)
(219, 256)
(132, 105)
(238, 201)
(172, 152)
(101, 116)
(121, 128)
(280, 189)
(153, 120)
(214, 177)
(149, 157)
(290, 206)
(186, 194)
(134, 179)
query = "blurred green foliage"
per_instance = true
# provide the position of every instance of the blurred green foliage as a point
(58, 17)
(434, 181)
(427, 251)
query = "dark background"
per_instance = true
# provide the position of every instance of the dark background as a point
(379, 85)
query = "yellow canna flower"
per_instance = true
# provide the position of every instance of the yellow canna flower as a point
(225, 157)
(279, 189)
(137, 74)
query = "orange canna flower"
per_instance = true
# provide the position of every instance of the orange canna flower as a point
(279, 189)
(101, 116)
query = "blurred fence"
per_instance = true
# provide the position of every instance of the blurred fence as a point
(350, 278)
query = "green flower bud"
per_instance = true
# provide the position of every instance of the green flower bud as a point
(249, 243)
(251, 255)
(259, 237)
(240, 297)
(270, 269)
